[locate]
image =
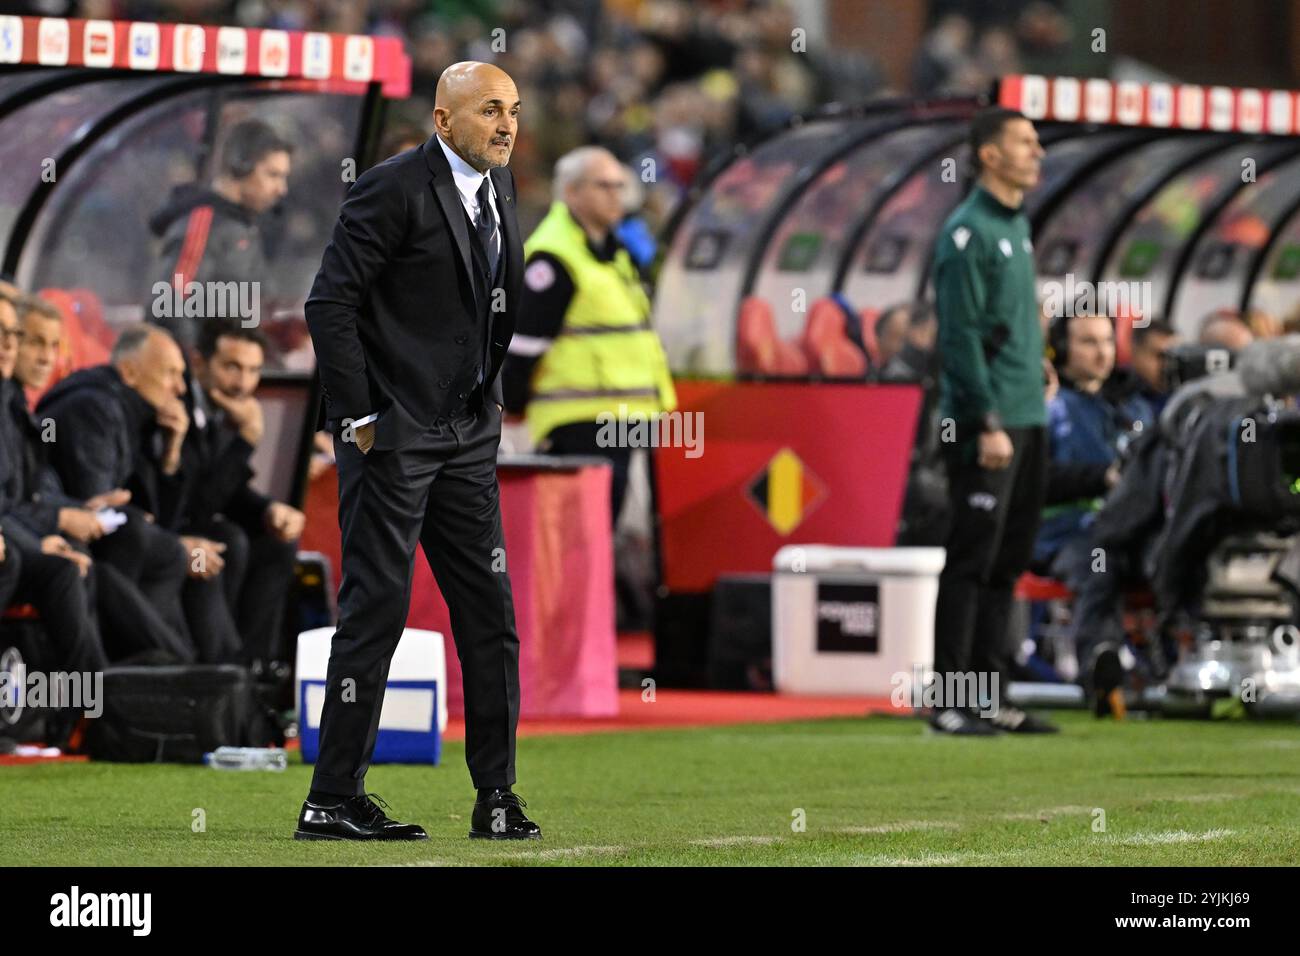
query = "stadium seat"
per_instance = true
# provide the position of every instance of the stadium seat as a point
(90, 317)
(868, 317)
(826, 343)
(1034, 587)
(1138, 612)
(1124, 319)
(759, 350)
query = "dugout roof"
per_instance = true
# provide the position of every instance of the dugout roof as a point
(100, 120)
(1193, 191)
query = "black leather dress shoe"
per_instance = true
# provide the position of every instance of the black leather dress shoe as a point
(500, 816)
(355, 818)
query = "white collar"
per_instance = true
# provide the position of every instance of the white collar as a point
(467, 178)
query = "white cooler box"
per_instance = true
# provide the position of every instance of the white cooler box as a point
(847, 620)
(414, 713)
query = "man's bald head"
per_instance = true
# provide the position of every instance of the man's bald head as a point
(465, 80)
(476, 113)
(150, 361)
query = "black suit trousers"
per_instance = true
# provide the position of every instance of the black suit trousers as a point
(439, 490)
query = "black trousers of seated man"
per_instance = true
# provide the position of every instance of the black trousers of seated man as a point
(441, 492)
(134, 631)
(139, 570)
(140, 598)
(153, 560)
(65, 601)
(995, 515)
(255, 584)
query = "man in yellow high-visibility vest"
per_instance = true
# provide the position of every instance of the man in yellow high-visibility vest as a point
(583, 348)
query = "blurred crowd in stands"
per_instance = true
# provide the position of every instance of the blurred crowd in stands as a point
(971, 44)
(670, 81)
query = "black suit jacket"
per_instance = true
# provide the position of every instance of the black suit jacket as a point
(394, 314)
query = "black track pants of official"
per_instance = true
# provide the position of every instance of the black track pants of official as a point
(995, 517)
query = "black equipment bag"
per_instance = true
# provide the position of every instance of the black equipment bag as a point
(178, 713)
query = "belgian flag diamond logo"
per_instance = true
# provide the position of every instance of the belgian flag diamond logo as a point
(786, 492)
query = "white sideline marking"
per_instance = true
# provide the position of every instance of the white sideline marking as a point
(736, 841)
(1172, 836)
(419, 863)
(901, 826)
(1164, 837)
(1171, 798)
(1204, 797)
(551, 854)
(925, 859)
(559, 853)
(777, 739)
(1046, 812)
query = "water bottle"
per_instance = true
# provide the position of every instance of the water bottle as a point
(247, 758)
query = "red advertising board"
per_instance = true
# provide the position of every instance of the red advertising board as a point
(781, 464)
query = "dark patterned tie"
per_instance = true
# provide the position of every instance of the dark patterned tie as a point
(487, 223)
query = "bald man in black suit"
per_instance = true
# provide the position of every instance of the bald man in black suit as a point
(410, 314)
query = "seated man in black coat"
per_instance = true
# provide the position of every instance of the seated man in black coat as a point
(46, 572)
(260, 534)
(138, 589)
(123, 425)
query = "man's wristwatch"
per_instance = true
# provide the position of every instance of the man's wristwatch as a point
(991, 422)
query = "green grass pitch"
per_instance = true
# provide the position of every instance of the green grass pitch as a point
(870, 791)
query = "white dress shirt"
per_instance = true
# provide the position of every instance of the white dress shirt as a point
(468, 181)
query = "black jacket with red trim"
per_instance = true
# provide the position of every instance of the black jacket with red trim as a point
(204, 238)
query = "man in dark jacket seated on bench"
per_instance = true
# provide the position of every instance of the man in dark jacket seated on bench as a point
(138, 586)
(260, 534)
(45, 572)
(122, 425)
(1089, 422)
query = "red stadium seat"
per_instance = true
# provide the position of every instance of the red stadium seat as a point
(759, 350)
(868, 317)
(90, 316)
(1124, 319)
(826, 343)
(1033, 587)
